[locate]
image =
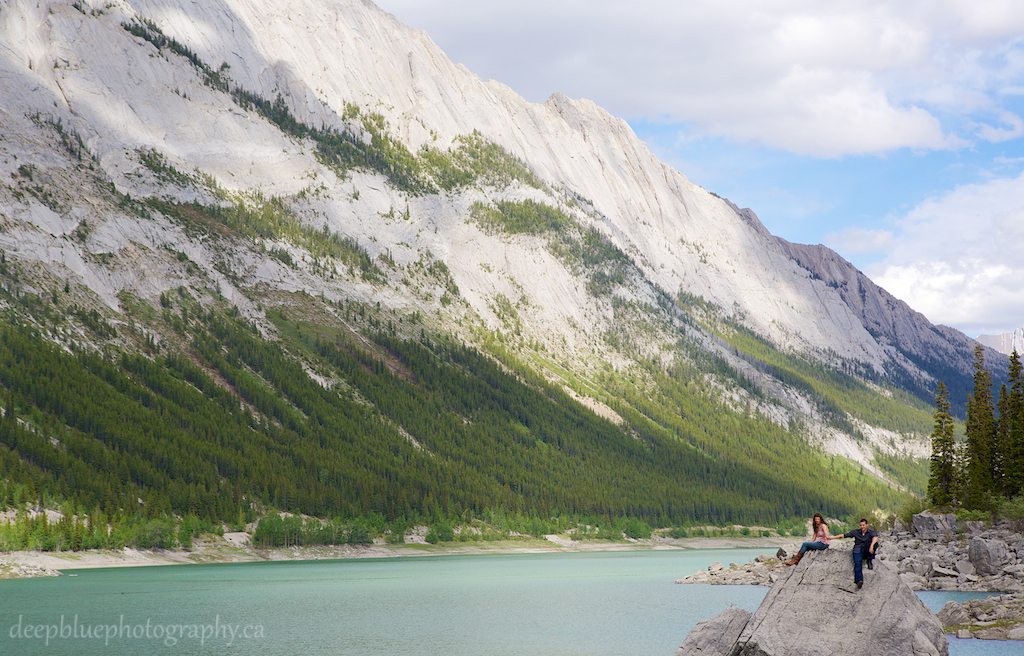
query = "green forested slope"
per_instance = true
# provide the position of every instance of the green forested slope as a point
(406, 430)
(836, 392)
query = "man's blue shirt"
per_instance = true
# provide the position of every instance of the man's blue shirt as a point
(861, 541)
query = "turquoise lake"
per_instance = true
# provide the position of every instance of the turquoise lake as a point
(565, 604)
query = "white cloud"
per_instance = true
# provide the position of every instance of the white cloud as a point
(958, 258)
(995, 135)
(823, 79)
(858, 241)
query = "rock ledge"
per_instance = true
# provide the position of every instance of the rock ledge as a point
(813, 609)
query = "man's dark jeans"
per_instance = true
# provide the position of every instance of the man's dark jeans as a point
(858, 565)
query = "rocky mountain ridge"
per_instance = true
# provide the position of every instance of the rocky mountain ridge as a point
(362, 164)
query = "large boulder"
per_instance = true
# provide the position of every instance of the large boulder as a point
(930, 526)
(920, 565)
(965, 567)
(716, 636)
(814, 609)
(914, 581)
(987, 556)
(952, 614)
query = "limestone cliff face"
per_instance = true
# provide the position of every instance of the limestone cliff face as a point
(76, 66)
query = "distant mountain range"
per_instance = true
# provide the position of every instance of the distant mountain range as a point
(1005, 343)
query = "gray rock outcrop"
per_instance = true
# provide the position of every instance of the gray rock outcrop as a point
(994, 618)
(987, 556)
(965, 567)
(813, 609)
(15, 570)
(763, 571)
(930, 526)
(716, 636)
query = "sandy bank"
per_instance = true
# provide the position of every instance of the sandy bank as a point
(236, 548)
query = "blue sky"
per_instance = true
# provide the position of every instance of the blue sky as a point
(888, 131)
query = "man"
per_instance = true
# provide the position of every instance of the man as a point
(864, 542)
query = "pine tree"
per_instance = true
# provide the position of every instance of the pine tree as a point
(980, 428)
(941, 482)
(1000, 443)
(960, 481)
(1013, 460)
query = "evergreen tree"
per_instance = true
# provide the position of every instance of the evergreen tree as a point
(1000, 443)
(941, 482)
(980, 428)
(1013, 461)
(960, 474)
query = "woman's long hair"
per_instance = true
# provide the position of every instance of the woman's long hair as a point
(815, 525)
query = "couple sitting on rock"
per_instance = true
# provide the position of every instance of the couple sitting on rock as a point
(864, 542)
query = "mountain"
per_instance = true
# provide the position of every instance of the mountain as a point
(318, 171)
(1005, 343)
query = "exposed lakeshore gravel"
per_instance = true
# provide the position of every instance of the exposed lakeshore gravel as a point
(236, 548)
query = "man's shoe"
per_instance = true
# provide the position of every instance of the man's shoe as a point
(860, 584)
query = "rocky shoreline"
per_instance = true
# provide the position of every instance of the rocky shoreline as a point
(15, 570)
(993, 618)
(934, 552)
(762, 571)
(938, 553)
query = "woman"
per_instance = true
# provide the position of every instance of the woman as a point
(819, 529)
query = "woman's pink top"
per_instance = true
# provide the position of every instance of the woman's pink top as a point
(821, 536)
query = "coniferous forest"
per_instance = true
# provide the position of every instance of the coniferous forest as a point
(383, 432)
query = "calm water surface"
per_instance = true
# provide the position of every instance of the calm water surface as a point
(569, 604)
